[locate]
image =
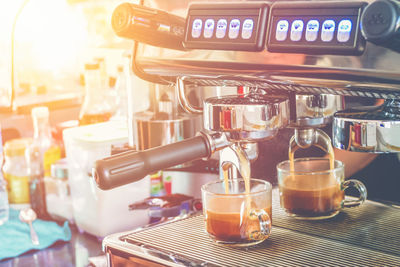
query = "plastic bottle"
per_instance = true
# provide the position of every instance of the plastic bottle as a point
(156, 184)
(4, 206)
(95, 107)
(58, 194)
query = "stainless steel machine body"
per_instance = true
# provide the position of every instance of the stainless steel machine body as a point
(355, 56)
(332, 49)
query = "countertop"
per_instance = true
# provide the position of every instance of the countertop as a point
(76, 252)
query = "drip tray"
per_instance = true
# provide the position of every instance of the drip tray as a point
(364, 236)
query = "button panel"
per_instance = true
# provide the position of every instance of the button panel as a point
(222, 25)
(282, 28)
(209, 28)
(197, 27)
(344, 30)
(247, 29)
(296, 30)
(234, 28)
(327, 30)
(227, 26)
(312, 30)
(316, 27)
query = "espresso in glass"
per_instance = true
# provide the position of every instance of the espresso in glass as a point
(311, 195)
(237, 218)
(227, 224)
(311, 189)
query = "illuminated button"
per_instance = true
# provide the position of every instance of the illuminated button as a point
(234, 28)
(247, 29)
(296, 30)
(327, 31)
(281, 30)
(208, 28)
(221, 28)
(344, 30)
(196, 28)
(312, 30)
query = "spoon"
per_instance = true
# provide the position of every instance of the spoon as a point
(28, 215)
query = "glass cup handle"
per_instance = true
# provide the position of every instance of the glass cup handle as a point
(361, 189)
(265, 225)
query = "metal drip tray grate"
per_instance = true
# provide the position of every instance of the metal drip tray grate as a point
(368, 236)
(372, 225)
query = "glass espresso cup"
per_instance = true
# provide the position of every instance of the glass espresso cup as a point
(313, 191)
(237, 219)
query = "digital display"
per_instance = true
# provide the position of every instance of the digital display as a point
(227, 26)
(316, 28)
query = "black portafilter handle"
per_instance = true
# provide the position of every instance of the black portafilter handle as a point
(149, 25)
(380, 23)
(128, 167)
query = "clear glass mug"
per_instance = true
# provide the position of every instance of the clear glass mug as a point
(313, 191)
(233, 221)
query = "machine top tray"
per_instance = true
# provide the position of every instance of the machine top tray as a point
(297, 78)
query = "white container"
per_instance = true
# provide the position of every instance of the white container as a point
(95, 211)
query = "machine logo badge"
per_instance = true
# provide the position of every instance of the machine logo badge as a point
(247, 29)
(344, 30)
(282, 28)
(296, 30)
(208, 28)
(196, 28)
(328, 29)
(234, 28)
(221, 28)
(312, 30)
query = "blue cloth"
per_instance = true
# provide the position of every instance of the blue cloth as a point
(15, 237)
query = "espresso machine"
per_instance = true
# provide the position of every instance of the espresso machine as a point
(293, 65)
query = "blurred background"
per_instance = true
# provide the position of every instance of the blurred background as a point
(53, 39)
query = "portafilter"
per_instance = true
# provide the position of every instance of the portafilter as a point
(227, 120)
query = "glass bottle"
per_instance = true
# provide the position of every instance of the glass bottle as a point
(50, 152)
(4, 206)
(95, 107)
(121, 91)
(103, 71)
(36, 181)
(41, 155)
(15, 170)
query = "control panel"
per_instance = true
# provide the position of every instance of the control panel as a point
(308, 27)
(227, 26)
(316, 28)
